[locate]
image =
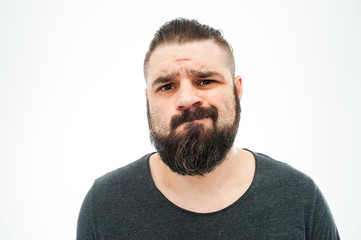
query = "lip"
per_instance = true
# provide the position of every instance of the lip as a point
(201, 120)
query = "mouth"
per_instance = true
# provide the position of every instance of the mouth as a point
(200, 121)
(197, 120)
(198, 116)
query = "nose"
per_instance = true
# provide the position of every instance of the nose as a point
(188, 96)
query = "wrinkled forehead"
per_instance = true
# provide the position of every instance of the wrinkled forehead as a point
(172, 59)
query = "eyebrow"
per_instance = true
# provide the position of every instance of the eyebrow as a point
(205, 74)
(164, 79)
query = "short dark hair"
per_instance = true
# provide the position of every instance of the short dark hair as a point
(181, 31)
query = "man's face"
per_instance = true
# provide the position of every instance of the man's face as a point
(192, 100)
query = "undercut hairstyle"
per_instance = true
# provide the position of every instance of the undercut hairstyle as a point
(182, 31)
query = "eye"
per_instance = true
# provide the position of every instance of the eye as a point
(206, 82)
(166, 87)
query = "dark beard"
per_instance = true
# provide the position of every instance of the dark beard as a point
(197, 151)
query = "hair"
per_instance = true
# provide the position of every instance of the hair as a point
(182, 31)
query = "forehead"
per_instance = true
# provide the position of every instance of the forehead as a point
(195, 56)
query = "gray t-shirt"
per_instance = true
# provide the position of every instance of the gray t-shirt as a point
(281, 203)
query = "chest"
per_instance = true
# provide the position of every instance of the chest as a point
(239, 221)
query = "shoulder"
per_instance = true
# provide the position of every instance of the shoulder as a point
(267, 166)
(292, 196)
(277, 176)
(114, 198)
(123, 179)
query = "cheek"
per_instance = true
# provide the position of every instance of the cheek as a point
(221, 100)
(225, 103)
(165, 112)
(218, 98)
(160, 116)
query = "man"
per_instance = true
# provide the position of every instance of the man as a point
(198, 185)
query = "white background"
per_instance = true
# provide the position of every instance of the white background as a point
(72, 103)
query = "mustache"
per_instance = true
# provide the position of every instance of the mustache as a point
(196, 114)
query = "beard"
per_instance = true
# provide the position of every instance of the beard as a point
(198, 150)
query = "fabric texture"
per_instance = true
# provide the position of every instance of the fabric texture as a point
(281, 203)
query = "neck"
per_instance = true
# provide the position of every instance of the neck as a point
(231, 178)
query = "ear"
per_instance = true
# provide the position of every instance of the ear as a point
(238, 83)
(146, 93)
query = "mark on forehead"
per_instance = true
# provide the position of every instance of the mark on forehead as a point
(182, 59)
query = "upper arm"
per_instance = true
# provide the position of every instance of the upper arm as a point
(323, 224)
(85, 225)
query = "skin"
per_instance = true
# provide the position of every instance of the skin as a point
(182, 77)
